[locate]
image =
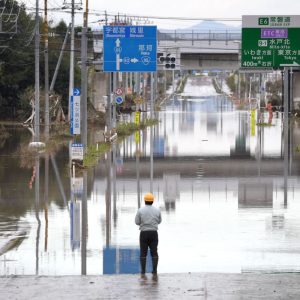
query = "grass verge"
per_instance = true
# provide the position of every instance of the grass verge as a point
(123, 129)
(264, 124)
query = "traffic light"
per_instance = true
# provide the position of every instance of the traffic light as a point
(168, 61)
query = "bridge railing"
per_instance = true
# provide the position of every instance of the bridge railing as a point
(193, 36)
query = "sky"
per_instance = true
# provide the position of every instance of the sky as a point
(199, 9)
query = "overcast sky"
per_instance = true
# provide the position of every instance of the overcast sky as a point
(176, 8)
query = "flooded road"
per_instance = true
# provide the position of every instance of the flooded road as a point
(229, 199)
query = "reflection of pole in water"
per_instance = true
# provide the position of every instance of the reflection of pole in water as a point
(137, 157)
(151, 159)
(165, 125)
(259, 129)
(285, 131)
(84, 224)
(113, 100)
(58, 179)
(114, 186)
(108, 198)
(37, 206)
(222, 97)
(46, 196)
(173, 84)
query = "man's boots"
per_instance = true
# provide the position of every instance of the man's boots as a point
(154, 264)
(143, 264)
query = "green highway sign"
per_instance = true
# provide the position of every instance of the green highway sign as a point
(270, 41)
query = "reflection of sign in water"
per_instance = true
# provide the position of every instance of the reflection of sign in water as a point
(255, 193)
(119, 165)
(159, 146)
(278, 221)
(75, 224)
(77, 186)
(137, 118)
(123, 261)
(137, 136)
(171, 190)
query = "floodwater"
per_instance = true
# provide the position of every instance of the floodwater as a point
(228, 192)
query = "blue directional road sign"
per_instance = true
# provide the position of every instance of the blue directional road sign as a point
(129, 48)
(119, 100)
(76, 92)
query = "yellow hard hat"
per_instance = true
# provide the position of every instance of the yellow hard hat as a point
(149, 197)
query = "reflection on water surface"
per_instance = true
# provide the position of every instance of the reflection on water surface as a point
(218, 181)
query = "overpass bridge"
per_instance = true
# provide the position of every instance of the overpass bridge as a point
(205, 50)
(194, 50)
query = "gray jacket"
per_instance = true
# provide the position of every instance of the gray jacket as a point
(148, 217)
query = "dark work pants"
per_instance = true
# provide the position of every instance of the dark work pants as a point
(148, 239)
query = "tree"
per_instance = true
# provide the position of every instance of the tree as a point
(17, 61)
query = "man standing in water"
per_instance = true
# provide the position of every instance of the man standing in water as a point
(148, 218)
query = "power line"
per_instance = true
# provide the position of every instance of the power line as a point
(140, 17)
(178, 18)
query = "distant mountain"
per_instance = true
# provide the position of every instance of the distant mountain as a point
(205, 26)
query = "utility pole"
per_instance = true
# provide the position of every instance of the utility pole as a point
(83, 102)
(73, 6)
(83, 105)
(59, 61)
(47, 122)
(37, 75)
(71, 79)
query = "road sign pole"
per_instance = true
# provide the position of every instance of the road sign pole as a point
(291, 102)
(126, 83)
(286, 129)
(114, 102)
(173, 83)
(145, 87)
(152, 96)
(84, 88)
(130, 81)
(138, 87)
(155, 85)
(111, 101)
